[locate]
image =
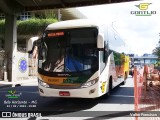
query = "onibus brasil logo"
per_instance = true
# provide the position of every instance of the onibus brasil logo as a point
(13, 94)
(143, 10)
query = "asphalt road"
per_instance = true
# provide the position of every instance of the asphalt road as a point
(115, 106)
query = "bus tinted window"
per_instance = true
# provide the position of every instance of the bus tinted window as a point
(73, 51)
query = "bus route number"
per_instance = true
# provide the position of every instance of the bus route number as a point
(67, 81)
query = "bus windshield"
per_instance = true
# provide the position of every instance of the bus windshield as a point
(72, 50)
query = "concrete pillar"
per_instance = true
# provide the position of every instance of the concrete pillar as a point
(11, 46)
(0, 44)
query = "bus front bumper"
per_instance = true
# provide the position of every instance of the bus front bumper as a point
(89, 92)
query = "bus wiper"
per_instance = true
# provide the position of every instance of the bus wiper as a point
(67, 69)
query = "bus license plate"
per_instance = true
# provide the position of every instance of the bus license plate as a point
(64, 93)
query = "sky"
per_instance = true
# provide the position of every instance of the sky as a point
(140, 33)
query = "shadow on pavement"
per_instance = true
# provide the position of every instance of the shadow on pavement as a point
(119, 95)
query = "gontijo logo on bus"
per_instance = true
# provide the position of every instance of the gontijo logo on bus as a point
(143, 10)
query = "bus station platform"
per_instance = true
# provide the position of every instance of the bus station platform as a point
(19, 82)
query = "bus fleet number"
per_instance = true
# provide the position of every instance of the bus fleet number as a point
(67, 81)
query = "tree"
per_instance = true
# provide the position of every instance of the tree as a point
(156, 51)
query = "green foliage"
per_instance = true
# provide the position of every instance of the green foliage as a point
(157, 64)
(117, 59)
(49, 14)
(32, 26)
(156, 51)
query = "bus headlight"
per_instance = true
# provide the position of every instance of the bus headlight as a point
(89, 83)
(43, 84)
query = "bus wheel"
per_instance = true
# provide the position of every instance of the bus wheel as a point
(109, 89)
(110, 86)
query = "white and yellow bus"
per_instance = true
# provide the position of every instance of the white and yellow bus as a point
(78, 58)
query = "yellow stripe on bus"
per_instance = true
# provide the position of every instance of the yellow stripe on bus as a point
(56, 80)
(52, 80)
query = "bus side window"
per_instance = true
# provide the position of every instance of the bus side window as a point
(102, 64)
(101, 54)
(106, 53)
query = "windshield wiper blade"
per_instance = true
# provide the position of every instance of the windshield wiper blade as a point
(67, 69)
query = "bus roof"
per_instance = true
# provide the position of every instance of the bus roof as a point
(69, 24)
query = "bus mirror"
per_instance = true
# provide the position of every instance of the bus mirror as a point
(30, 42)
(44, 54)
(100, 41)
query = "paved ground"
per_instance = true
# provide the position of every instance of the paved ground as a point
(19, 82)
(118, 103)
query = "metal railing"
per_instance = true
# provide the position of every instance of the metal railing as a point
(146, 92)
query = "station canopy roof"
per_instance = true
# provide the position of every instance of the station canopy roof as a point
(12, 6)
